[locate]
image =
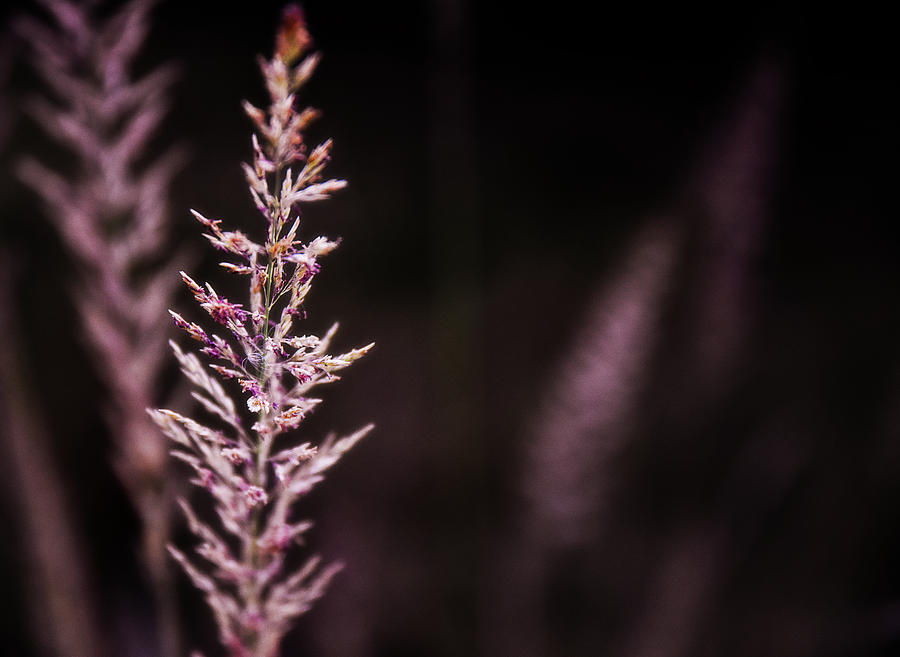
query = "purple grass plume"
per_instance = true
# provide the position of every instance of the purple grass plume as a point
(254, 474)
(111, 210)
(588, 415)
(112, 218)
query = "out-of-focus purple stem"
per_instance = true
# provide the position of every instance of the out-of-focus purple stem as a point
(63, 617)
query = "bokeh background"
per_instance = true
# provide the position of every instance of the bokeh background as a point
(632, 278)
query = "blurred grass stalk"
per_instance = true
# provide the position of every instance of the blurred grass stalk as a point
(698, 261)
(110, 210)
(58, 591)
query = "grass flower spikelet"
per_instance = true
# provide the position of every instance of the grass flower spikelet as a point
(254, 481)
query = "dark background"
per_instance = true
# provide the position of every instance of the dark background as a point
(503, 163)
